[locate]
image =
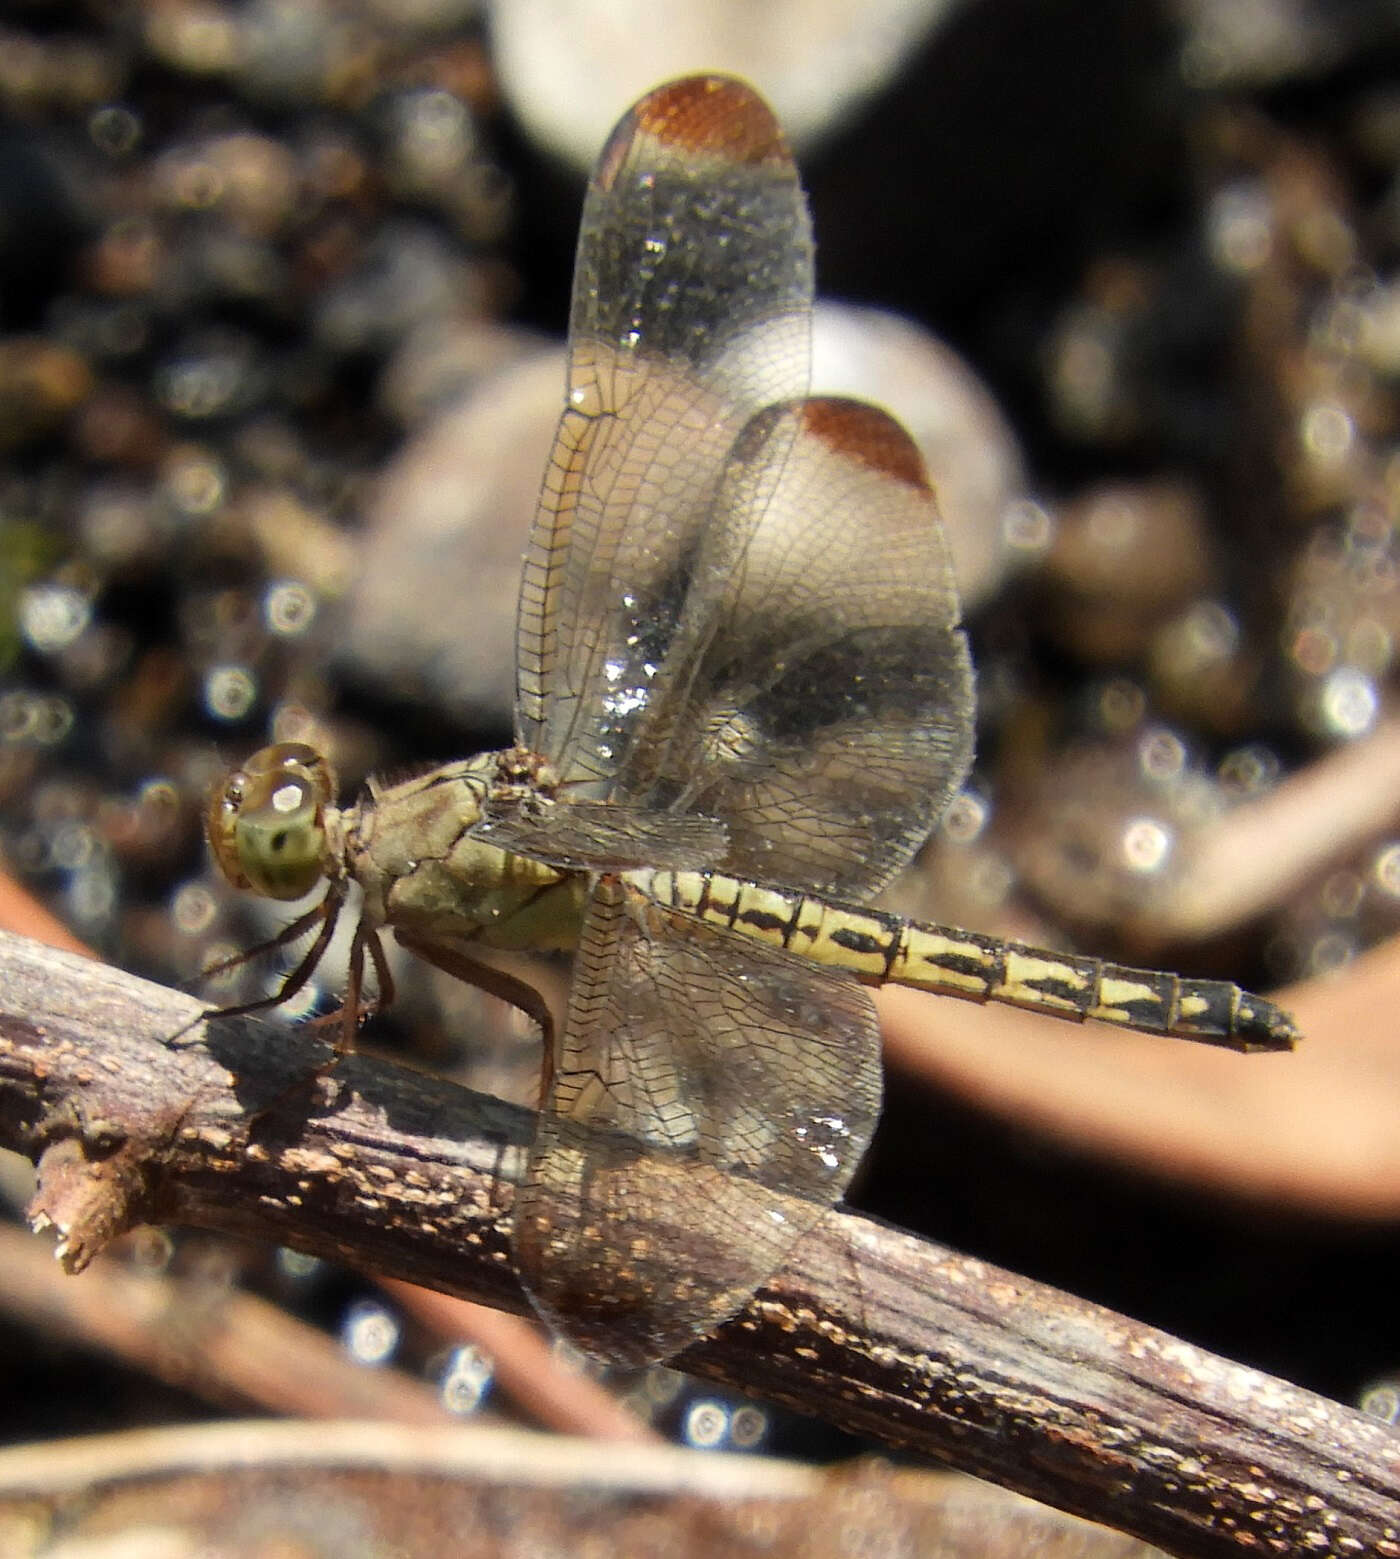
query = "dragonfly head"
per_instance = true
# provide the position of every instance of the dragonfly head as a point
(267, 822)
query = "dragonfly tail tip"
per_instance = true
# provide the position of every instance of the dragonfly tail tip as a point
(1265, 1027)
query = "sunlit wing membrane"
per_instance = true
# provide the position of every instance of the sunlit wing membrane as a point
(604, 836)
(816, 695)
(711, 1099)
(691, 310)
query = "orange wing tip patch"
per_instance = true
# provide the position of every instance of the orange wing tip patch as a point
(868, 435)
(717, 116)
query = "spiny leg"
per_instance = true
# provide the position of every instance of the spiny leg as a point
(349, 1015)
(354, 1010)
(327, 912)
(383, 976)
(288, 933)
(453, 959)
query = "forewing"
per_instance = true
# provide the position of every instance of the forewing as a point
(711, 1099)
(691, 310)
(817, 695)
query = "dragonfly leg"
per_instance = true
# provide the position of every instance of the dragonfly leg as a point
(328, 913)
(355, 1009)
(383, 975)
(452, 959)
(289, 933)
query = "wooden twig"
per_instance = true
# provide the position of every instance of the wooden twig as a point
(495, 1493)
(879, 1332)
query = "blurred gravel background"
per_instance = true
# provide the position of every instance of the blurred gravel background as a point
(282, 292)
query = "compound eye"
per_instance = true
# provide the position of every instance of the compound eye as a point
(266, 823)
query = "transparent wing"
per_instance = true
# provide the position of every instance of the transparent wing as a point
(691, 310)
(736, 609)
(816, 693)
(735, 602)
(710, 1100)
(811, 692)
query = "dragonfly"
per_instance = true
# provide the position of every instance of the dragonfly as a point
(744, 700)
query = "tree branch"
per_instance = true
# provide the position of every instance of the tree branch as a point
(406, 1489)
(879, 1332)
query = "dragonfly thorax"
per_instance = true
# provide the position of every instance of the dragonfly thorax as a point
(271, 823)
